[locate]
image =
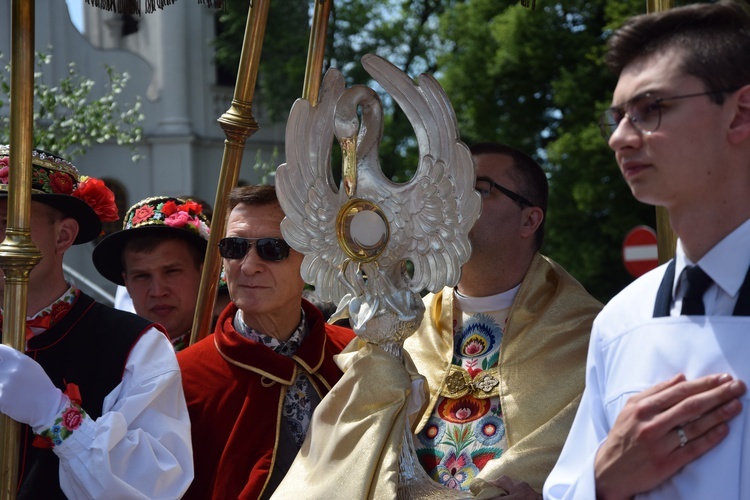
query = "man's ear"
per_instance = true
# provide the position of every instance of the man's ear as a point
(67, 231)
(739, 129)
(532, 219)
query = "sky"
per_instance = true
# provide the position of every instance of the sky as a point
(75, 8)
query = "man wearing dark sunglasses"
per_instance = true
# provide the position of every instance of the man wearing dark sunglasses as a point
(504, 352)
(252, 385)
(665, 411)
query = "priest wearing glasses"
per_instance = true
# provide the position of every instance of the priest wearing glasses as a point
(252, 385)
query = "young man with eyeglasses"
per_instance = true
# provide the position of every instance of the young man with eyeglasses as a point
(664, 413)
(252, 385)
(504, 352)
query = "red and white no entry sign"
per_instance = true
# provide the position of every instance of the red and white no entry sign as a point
(639, 251)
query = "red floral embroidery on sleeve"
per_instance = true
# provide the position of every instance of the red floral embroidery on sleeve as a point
(69, 420)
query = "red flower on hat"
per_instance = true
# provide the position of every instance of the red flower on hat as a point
(99, 197)
(191, 207)
(169, 208)
(61, 183)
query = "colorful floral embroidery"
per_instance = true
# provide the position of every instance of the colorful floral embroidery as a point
(480, 335)
(490, 430)
(69, 420)
(456, 472)
(463, 410)
(481, 456)
(171, 212)
(432, 433)
(50, 315)
(61, 183)
(53, 175)
(59, 310)
(466, 432)
(55, 311)
(141, 214)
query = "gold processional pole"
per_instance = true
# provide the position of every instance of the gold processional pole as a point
(666, 238)
(18, 255)
(238, 124)
(316, 51)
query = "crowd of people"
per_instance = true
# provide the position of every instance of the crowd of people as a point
(532, 388)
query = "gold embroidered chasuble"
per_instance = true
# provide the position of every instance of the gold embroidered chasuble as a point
(541, 369)
(352, 447)
(353, 444)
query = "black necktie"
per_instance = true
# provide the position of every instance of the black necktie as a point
(695, 282)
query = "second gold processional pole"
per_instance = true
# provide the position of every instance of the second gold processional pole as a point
(238, 124)
(666, 238)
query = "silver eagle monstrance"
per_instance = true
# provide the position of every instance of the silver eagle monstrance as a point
(358, 237)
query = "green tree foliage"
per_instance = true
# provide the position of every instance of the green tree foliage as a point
(403, 31)
(534, 79)
(406, 32)
(67, 119)
(281, 71)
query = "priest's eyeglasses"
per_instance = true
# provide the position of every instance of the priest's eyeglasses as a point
(269, 249)
(484, 186)
(643, 112)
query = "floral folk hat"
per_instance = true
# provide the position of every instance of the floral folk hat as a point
(159, 215)
(57, 183)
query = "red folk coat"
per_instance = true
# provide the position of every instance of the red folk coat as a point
(235, 394)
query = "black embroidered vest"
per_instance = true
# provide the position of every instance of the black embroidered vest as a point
(88, 347)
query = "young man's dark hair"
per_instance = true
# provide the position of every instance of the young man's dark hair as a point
(715, 41)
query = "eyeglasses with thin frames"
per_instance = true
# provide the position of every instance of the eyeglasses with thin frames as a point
(643, 112)
(268, 249)
(484, 186)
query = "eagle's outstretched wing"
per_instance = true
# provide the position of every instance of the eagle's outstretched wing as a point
(307, 192)
(431, 215)
(428, 217)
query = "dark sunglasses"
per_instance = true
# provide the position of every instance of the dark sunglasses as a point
(270, 249)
